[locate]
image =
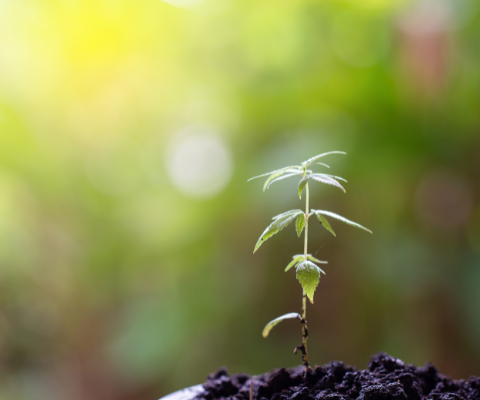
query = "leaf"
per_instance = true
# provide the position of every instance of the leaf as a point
(296, 259)
(326, 179)
(301, 185)
(309, 256)
(300, 224)
(276, 226)
(279, 175)
(340, 218)
(286, 213)
(312, 258)
(271, 324)
(273, 172)
(310, 160)
(336, 177)
(283, 175)
(308, 274)
(325, 223)
(320, 163)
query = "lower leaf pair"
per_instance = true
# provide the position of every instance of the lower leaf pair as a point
(308, 274)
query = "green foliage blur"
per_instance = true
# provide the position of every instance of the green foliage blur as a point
(128, 131)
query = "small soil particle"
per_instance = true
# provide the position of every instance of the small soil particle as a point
(386, 378)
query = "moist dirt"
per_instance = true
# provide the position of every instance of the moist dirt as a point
(386, 378)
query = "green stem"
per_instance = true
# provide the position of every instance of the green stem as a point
(306, 222)
(304, 297)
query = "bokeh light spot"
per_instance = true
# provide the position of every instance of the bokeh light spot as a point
(199, 162)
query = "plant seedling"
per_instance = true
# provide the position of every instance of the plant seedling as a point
(308, 273)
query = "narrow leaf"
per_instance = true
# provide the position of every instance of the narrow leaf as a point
(336, 177)
(325, 223)
(278, 178)
(276, 226)
(326, 179)
(340, 218)
(310, 160)
(300, 224)
(273, 172)
(320, 163)
(295, 261)
(271, 324)
(301, 185)
(312, 258)
(308, 274)
(286, 213)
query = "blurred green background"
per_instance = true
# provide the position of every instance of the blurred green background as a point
(128, 131)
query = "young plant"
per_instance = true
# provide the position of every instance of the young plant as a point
(308, 273)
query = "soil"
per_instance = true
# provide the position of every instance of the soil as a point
(386, 378)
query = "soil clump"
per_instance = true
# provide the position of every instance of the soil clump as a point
(386, 378)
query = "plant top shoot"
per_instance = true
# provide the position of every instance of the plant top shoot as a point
(307, 270)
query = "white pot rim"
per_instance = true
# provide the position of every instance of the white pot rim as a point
(185, 394)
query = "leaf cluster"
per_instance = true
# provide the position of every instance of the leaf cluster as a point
(307, 271)
(306, 174)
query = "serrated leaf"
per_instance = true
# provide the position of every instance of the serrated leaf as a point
(308, 274)
(312, 258)
(300, 224)
(271, 324)
(319, 269)
(283, 175)
(276, 226)
(340, 218)
(273, 172)
(324, 222)
(296, 259)
(327, 180)
(287, 213)
(312, 159)
(301, 185)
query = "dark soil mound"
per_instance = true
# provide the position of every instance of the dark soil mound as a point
(386, 378)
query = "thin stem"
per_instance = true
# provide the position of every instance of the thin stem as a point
(304, 297)
(306, 222)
